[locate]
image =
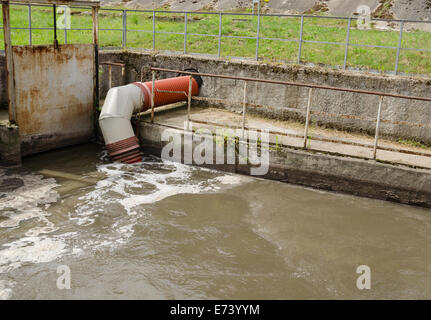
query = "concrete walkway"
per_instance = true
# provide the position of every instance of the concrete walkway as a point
(176, 118)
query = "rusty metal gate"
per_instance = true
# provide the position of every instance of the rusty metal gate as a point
(52, 89)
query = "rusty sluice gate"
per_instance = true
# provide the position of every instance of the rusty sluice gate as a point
(122, 102)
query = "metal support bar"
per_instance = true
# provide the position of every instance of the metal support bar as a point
(295, 84)
(257, 33)
(30, 40)
(244, 108)
(400, 40)
(110, 76)
(185, 33)
(219, 34)
(154, 30)
(307, 118)
(346, 51)
(376, 138)
(300, 39)
(153, 92)
(124, 41)
(95, 18)
(9, 62)
(189, 102)
(54, 7)
(65, 26)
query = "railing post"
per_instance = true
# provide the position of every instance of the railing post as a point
(124, 28)
(219, 34)
(244, 108)
(300, 39)
(307, 117)
(400, 39)
(258, 34)
(376, 138)
(29, 25)
(185, 32)
(189, 102)
(9, 62)
(110, 76)
(65, 26)
(95, 27)
(153, 92)
(346, 50)
(154, 30)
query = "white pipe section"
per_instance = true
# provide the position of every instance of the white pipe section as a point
(120, 104)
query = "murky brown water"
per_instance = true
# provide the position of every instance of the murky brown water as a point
(169, 231)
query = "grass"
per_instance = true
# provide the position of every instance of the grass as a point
(412, 143)
(315, 29)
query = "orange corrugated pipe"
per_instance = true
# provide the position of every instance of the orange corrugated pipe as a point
(171, 84)
(121, 102)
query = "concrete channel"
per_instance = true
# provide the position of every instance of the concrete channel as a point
(324, 162)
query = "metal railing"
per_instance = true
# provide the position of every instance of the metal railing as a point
(258, 37)
(308, 111)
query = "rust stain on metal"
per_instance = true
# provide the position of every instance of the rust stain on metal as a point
(54, 90)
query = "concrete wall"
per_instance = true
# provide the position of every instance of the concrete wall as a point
(365, 178)
(277, 98)
(10, 146)
(3, 88)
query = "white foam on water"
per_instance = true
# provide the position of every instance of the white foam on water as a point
(152, 182)
(230, 179)
(6, 289)
(128, 186)
(24, 203)
(30, 249)
(120, 178)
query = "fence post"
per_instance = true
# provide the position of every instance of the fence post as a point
(219, 34)
(189, 97)
(153, 91)
(244, 108)
(65, 26)
(400, 39)
(307, 117)
(9, 62)
(258, 34)
(376, 138)
(300, 39)
(110, 76)
(346, 51)
(154, 30)
(185, 32)
(124, 28)
(29, 25)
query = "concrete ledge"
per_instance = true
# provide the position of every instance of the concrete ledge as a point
(44, 142)
(365, 178)
(10, 146)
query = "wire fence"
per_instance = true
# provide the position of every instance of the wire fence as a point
(387, 46)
